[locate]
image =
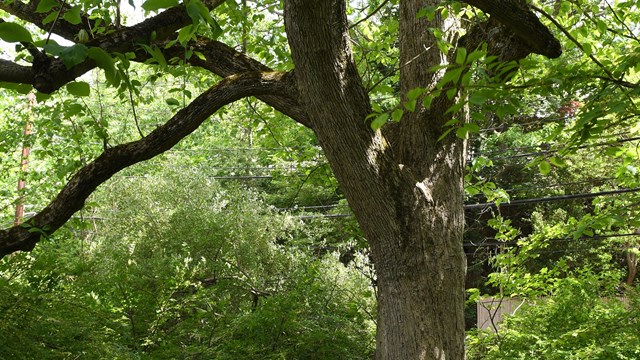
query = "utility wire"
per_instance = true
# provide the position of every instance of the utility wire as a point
(553, 151)
(521, 202)
(565, 239)
(517, 189)
(505, 126)
(551, 199)
(544, 145)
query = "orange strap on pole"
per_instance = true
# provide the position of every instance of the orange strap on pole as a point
(24, 162)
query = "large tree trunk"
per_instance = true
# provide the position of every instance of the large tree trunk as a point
(404, 186)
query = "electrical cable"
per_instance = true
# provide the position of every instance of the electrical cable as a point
(551, 199)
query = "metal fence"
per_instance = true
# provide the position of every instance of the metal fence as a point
(491, 311)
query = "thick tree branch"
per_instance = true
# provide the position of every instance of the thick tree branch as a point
(49, 74)
(72, 197)
(521, 20)
(224, 61)
(14, 73)
(27, 12)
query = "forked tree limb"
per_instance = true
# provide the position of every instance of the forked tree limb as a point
(27, 12)
(48, 74)
(223, 60)
(516, 15)
(72, 197)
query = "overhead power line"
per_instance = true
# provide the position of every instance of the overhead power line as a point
(590, 181)
(496, 242)
(553, 151)
(552, 198)
(512, 203)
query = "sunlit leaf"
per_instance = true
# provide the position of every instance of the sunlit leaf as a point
(73, 15)
(544, 167)
(153, 5)
(78, 88)
(379, 121)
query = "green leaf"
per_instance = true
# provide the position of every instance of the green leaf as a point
(50, 18)
(44, 6)
(73, 15)
(197, 10)
(153, 5)
(21, 88)
(461, 55)
(477, 99)
(451, 122)
(475, 55)
(78, 88)
(74, 55)
(105, 62)
(428, 11)
(156, 54)
(410, 105)
(397, 115)
(452, 75)
(455, 107)
(12, 32)
(40, 97)
(185, 33)
(194, 11)
(466, 79)
(466, 129)
(544, 167)
(556, 161)
(444, 134)
(379, 121)
(53, 48)
(74, 109)
(415, 93)
(427, 100)
(172, 101)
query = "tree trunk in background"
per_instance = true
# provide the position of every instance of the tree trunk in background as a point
(405, 187)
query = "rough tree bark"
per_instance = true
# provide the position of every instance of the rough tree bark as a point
(404, 186)
(406, 194)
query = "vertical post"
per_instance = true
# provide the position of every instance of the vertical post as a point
(24, 162)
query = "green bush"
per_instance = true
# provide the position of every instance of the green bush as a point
(574, 323)
(176, 267)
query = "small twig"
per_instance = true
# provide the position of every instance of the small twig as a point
(579, 45)
(255, 111)
(304, 181)
(53, 25)
(574, 40)
(370, 14)
(133, 107)
(631, 34)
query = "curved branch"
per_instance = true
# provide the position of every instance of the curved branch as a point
(14, 73)
(49, 74)
(72, 197)
(224, 61)
(27, 12)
